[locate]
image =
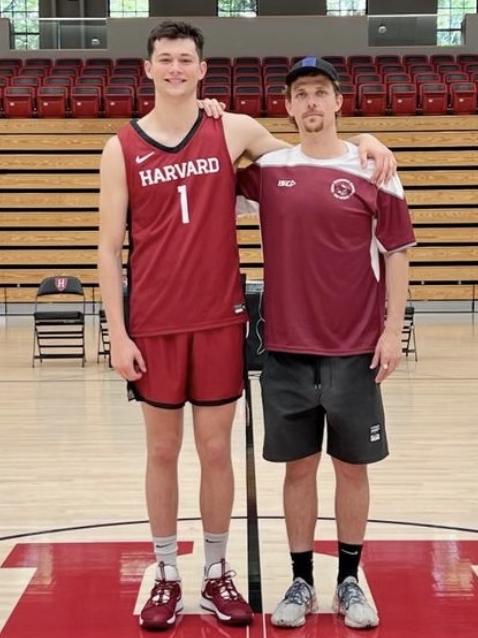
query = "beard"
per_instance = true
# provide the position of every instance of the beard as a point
(311, 126)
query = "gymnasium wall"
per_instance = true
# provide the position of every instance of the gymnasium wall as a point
(266, 35)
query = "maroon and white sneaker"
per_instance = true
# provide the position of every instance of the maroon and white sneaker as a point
(219, 595)
(165, 600)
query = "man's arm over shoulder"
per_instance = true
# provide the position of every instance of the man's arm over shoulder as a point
(246, 135)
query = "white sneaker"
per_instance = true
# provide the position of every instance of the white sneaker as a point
(350, 601)
(299, 600)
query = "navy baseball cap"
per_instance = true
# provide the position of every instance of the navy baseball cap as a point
(307, 66)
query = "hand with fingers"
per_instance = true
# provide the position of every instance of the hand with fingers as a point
(127, 359)
(212, 107)
(385, 163)
(387, 354)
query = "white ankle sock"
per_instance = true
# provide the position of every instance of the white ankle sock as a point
(214, 548)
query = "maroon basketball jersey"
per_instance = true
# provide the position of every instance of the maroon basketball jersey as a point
(183, 267)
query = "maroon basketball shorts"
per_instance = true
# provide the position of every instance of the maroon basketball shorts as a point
(203, 367)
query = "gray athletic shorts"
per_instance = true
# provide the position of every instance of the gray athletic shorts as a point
(299, 391)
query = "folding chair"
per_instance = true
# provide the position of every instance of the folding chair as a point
(59, 333)
(409, 342)
(103, 338)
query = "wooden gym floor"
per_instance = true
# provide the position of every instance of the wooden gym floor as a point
(75, 556)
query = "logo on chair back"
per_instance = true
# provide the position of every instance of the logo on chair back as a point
(60, 283)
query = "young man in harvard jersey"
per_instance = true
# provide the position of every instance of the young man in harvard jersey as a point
(171, 176)
(334, 247)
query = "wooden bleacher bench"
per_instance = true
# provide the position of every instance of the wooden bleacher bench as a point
(49, 185)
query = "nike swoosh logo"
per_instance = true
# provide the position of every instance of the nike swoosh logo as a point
(142, 158)
(349, 553)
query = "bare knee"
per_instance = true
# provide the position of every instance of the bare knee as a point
(163, 452)
(302, 470)
(350, 471)
(214, 452)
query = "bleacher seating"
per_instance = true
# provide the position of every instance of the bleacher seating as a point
(225, 75)
(49, 219)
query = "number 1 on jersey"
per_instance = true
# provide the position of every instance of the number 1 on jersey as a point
(183, 202)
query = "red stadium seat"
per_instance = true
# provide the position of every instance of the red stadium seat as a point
(353, 60)
(247, 80)
(335, 60)
(381, 60)
(220, 69)
(433, 98)
(248, 60)
(420, 78)
(358, 69)
(413, 69)
(218, 92)
(119, 101)
(402, 98)
(144, 100)
(65, 82)
(448, 67)
(349, 99)
(95, 82)
(133, 62)
(219, 60)
(246, 69)
(275, 101)
(463, 98)
(99, 62)
(33, 72)
(38, 62)
(123, 80)
(85, 101)
(16, 63)
(468, 67)
(76, 63)
(19, 101)
(96, 71)
(217, 80)
(7, 72)
(63, 71)
(391, 68)
(372, 99)
(275, 69)
(275, 59)
(397, 78)
(367, 78)
(248, 99)
(126, 70)
(51, 101)
(455, 76)
(464, 58)
(441, 58)
(413, 58)
(345, 77)
(274, 80)
(27, 81)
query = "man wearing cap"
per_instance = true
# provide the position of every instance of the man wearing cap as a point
(334, 249)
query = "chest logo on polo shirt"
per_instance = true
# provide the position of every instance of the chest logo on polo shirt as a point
(342, 188)
(286, 183)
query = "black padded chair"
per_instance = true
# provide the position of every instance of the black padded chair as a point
(59, 333)
(409, 342)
